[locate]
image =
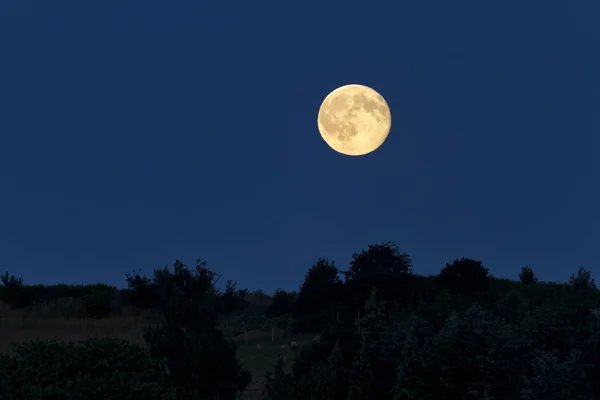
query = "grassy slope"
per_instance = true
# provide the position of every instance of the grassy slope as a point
(51, 321)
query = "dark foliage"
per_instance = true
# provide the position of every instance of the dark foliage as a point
(582, 282)
(384, 334)
(98, 303)
(319, 297)
(14, 292)
(463, 335)
(283, 302)
(527, 276)
(335, 335)
(466, 277)
(199, 360)
(229, 299)
(278, 385)
(90, 369)
(382, 266)
(5, 389)
(142, 293)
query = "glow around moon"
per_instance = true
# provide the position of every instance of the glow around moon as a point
(354, 120)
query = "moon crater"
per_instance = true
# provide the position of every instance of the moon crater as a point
(354, 120)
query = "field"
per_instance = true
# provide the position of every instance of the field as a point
(256, 349)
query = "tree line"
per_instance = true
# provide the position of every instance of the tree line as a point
(386, 333)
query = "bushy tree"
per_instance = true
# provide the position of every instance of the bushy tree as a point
(465, 276)
(319, 296)
(13, 291)
(527, 276)
(142, 293)
(198, 359)
(582, 281)
(382, 266)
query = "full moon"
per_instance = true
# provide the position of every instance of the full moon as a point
(354, 120)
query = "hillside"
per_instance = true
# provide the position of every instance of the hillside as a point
(382, 332)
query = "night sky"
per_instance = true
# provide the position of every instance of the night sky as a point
(133, 134)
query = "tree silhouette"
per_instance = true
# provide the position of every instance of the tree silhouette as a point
(382, 266)
(527, 276)
(283, 302)
(318, 298)
(229, 298)
(583, 281)
(465, 276)
(194, 352)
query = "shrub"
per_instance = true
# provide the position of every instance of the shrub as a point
(141, 293)
(583, 281)
(13, 292)
(527, 276)
(93, 368)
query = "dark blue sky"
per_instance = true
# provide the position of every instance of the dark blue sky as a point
(136, 133)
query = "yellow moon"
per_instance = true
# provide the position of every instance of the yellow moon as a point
(354, 120)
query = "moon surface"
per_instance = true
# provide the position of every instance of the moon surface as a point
(354, 120)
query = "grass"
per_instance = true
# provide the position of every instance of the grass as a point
(24, 325)
(56, 321)
(260, 354)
